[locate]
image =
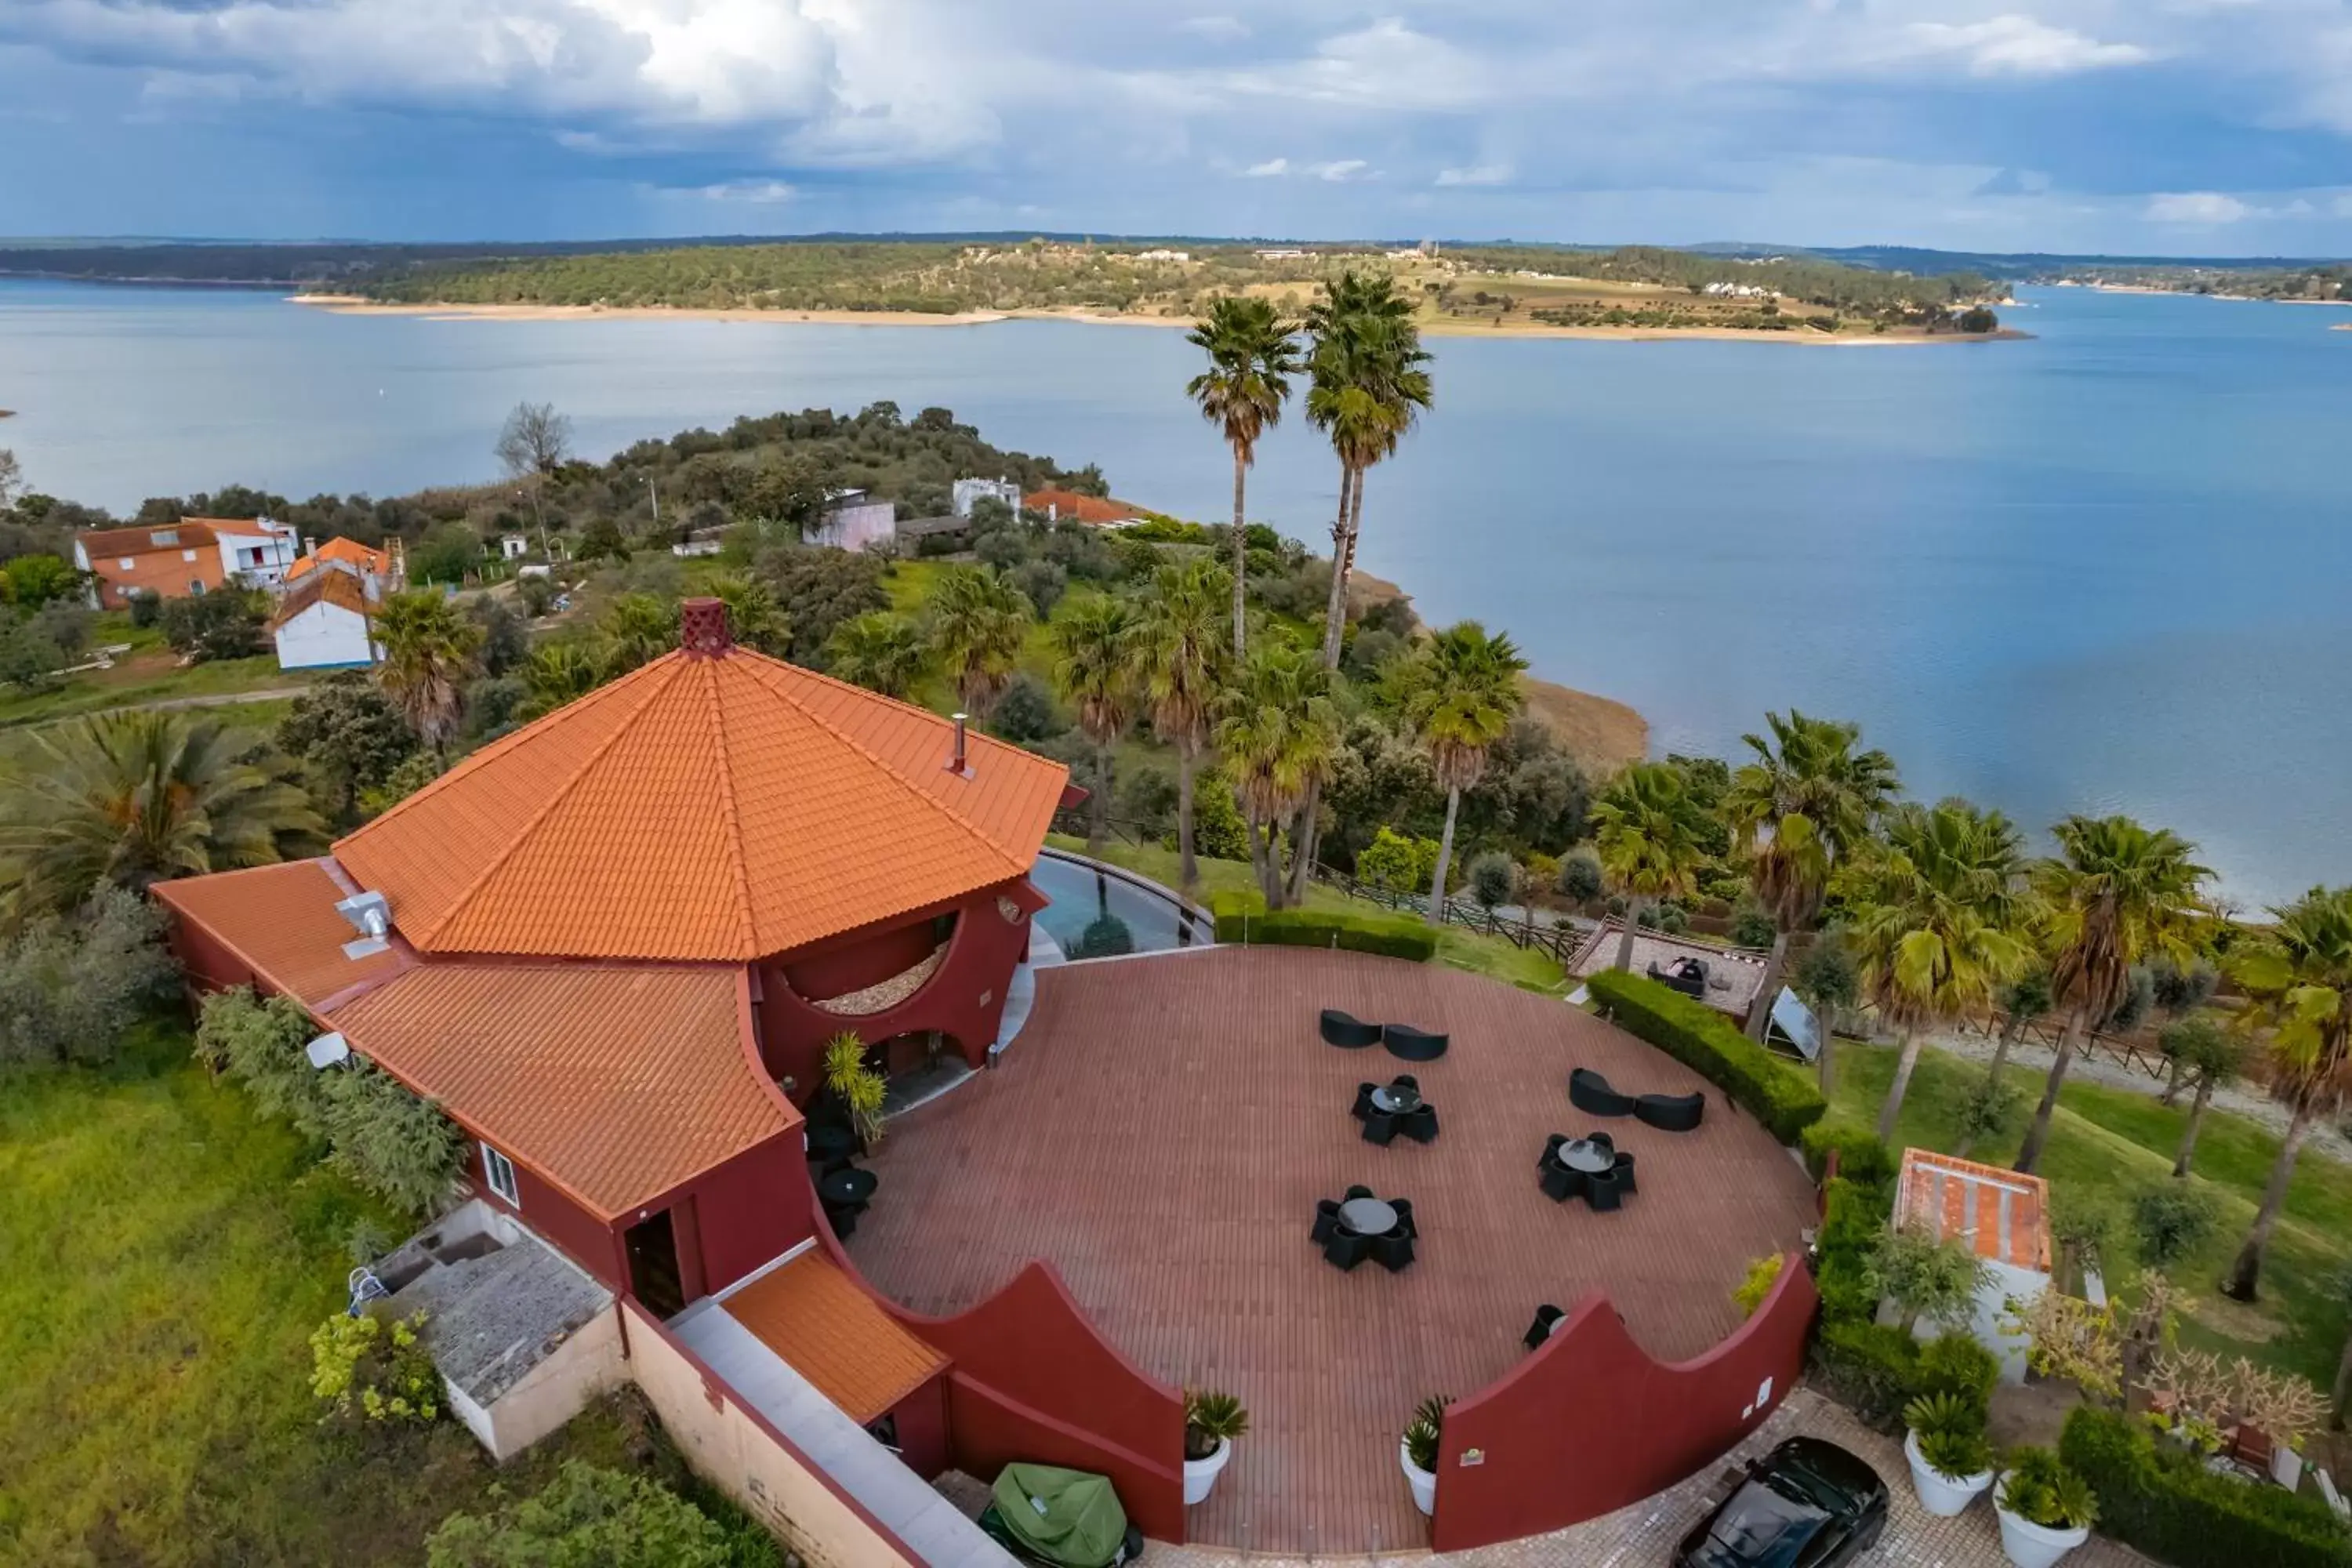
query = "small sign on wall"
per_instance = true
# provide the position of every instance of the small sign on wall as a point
(1763, 1399)
(1473, 1456)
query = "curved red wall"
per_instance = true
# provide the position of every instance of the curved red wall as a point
(1589, 1423)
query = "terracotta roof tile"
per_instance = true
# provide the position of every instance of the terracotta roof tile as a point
(348, 552)
(1069, 506)
(816, 1317)
(335, 587)
(190, 534)
(235, 527)
(703, 808)
(2001, 1213)
(281, 921)
(615, 1082)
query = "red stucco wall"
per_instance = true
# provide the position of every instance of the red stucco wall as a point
(752, 1208)
(581, 1236)
(964, 998)
(1589, 1423)
(829, 970)
(922, 1419)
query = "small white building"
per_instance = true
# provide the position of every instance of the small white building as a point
(2004, 1218)
(324, 622)
(969, 492)
(853, 521)
(513, 546)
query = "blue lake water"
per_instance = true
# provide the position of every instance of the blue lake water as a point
(2107, 569)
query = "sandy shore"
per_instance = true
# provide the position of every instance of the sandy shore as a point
(353, 305)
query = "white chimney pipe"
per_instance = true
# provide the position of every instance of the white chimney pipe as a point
(957, 764)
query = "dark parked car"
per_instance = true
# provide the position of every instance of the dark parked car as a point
(1806, 1504)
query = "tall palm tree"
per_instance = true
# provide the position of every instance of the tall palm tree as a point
(1179, 658)
(1094, 638)
(1940, 921)
(979, 622)
(135, 798)
(1803, 806)
(1278, 732)
(560, 670)
(880, 650)
(1464, 701)
(2115, 893)
(2299, 976)
(428, 657)
(1252, 354)
(1370, 382)
(1646, 829)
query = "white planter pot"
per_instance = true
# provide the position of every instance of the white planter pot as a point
(1201, 1475)
(2030, 1545)
(2286, 1466)
(1424, 1482)
(1939, 1493)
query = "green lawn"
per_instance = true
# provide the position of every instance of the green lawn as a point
(2107, 1143)
(167, 1254)
(146, 679)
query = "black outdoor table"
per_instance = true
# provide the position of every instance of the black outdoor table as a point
(1396, 1100)
(1583, 1155)
(847, 1189)
(1368, 1217)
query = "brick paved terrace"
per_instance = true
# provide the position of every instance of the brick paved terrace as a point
(1161, 1130)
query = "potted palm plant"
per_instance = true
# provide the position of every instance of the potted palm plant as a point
(1211, 1422)
(2045, 1509)
(1950, 1460)
(1418, 1452)
(859, 1089)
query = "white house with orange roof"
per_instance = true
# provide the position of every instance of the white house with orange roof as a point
(2003, 1216)
(173, 560)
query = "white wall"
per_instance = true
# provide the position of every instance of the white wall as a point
(854, 526)
(323, 637)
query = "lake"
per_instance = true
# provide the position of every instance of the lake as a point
(2107, 569)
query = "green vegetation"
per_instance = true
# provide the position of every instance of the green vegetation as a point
(1244, 917)
(589, 1515)
(2160, 1498)
(1706, 1042)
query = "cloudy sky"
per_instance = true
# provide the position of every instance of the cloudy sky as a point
(2171, 126)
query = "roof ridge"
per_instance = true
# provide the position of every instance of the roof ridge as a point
(556, 798)
(880, 765)
(734, 821)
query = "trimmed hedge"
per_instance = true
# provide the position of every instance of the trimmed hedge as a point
(1242, 917)
(1862, 1158)
(1783, 1099)
(2159, 1498)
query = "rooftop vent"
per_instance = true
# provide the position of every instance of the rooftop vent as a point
(370, 914)
(702, 627)
(960, 763)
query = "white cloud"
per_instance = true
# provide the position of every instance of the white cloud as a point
(1217, 30)
(1340, 170)
(759, 192)
(2201, 208)
(1272, 168)
(1477, 174)
(2020, 46)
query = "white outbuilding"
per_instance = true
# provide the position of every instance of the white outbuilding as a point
(324, 622)
(2002, 1216)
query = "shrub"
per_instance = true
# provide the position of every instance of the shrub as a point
(398, 1146)
(222, 624)
(1951, 1433)
(1955, 1366)
(1580, 876)
(1783, 1099)
(1425, 1430)
(2040, 1487)
(1862, 1157)
(1242, 917)
(1494, 878)
(1218, 830)
(71, 986)
(2169, 1220)
(1025, 712)
(1762, 1275)
(1751, 926)
(1869, 1366)
(1399, 864)
(588, 1514)
(1930, 1279)
(146, 609)
(369, 1368)
(1849, 1235)
(2159, 1498)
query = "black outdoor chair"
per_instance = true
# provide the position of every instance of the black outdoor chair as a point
(1408, 1043)
(830, 1142)
(1541, 1329)
(1393, 1251)
(1624, 1171)
(843, 1220)
(1602, 1191)
(1346, 1249)
(1601, 1140)
(1403, 1207)
(1559, 1184)
(1420, 1123)
(1687, 975)
(1407, 1079)
(1358, 1191)
(1363, 1106)
(1347, 1031)
(1671, 1112)
(1379, 1128)
(1550, 1156)
(1326, 1221)
(1590, 1093)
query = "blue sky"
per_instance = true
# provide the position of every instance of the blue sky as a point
(2213, 127)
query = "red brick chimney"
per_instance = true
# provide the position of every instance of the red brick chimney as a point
(702, 627)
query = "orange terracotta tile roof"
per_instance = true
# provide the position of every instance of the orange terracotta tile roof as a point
(704, 808)
(1069, 506)
(281, 921)
(189, 533)
(349, 551)
(2002, 1214)
(615, 1082)
(836, 1335)
(235, 527)
(335, 587)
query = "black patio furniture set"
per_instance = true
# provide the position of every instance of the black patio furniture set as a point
(842, 1187)
(1687, 975)
(1387, 1110)
(1359, 1227)
(1404, 1042)
(1593, 1168)
(1591, 1093)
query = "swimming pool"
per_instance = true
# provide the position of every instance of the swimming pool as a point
(1100, 913)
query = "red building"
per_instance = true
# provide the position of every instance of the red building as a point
(612, 945)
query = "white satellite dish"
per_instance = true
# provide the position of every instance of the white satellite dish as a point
(327, 1050)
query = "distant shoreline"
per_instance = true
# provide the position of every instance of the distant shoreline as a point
(357, 305)
(2197, 294)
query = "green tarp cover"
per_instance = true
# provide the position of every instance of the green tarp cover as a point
(1064, 1517)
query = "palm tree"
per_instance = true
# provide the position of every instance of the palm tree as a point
(560, 670)
(1806, 802)
(638, 629)
(979, 622)
(1251, 357)
(2115, 893)
(1179, 656)
(1940, 923)
(2298, 977)
(1647, 831)
(880, 650)
(2210, 1056)
(1465, 700)
(428, 657)
(134, 798)
(754, 618)
(1093, 639)
(1369, 383)
(1278, 733)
